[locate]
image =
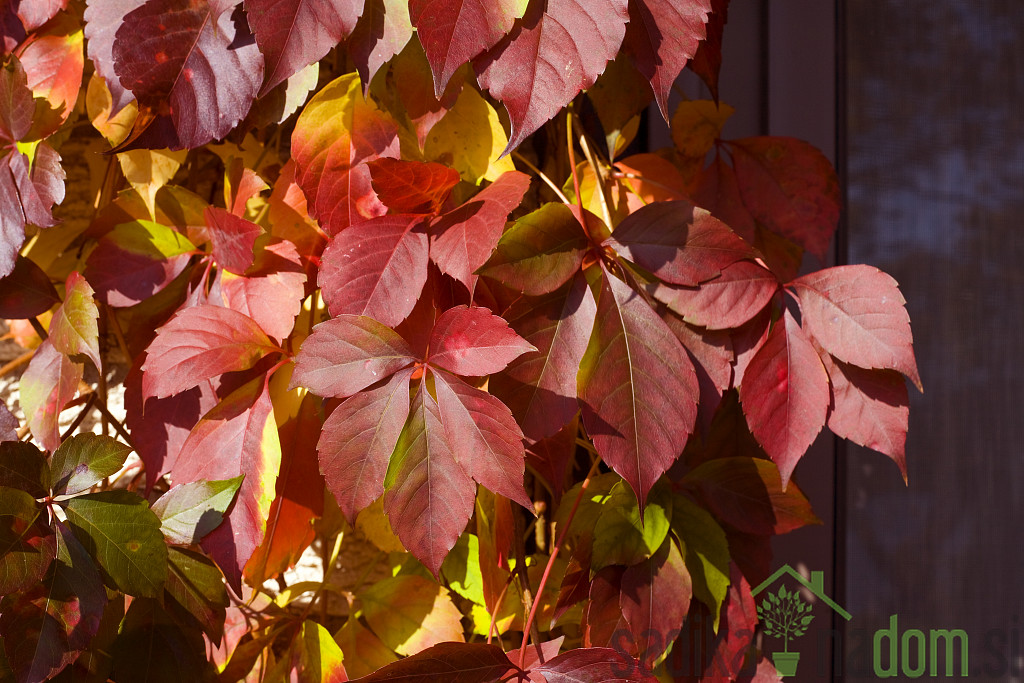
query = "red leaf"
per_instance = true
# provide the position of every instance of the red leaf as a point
(102, 19)
(858, 315)
(661, 37)
(484, 437)
(637, 388)
(603, 615)
(717, 191)
(347, 354)
(747, 494)
(198, 69)
(707, 63)
(455, 32)
(272, 290)
(450, 662)
(74, 328)
(233, 238)
(677, 242)
(540, 252)
(377, 268)
(474, 342)
(536, 653)
(412, 186)
(655, 597)
(26, 291)
(870, 408)
(552, 458)
(293, 34)
(785, 395)
(712, 355)
(336, 132)
(238, 437)
(299, 501)
(35, 14)
(462, 240)
(429, 498)
(725, 302)
(199, 343)
(540, 387)
(53, 60)
(594, 665)
(50, 381)
(789, 187)
(358, 439)
(558, 49)
(382, 32)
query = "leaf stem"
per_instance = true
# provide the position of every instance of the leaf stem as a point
(540, 174)
(551, 561)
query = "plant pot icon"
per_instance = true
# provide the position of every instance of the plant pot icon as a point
(786, 662)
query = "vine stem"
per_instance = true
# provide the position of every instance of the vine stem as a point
(551, 561)
(543, 176)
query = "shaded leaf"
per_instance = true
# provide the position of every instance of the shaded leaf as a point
(579, 37)
(48, 384)
(292, 34)
(136, 260)
(358, 439)
(428, 497)
(151, 646)
(414, 187)
(594, 665)
(195, 587)
(540, 252)
(473, 341)
(53, 58)
(747, 494)
(336, 133)
(74, 329)
(23, 466)
(785, 395)
(858, 315)
(237, 437)
(637, 388)
(45, 627)
(83, 460)
(707, 63)
(455, 662)
(199, 343)
(102, 19)
(789, 187)
(621, 536)
(453, 33)
(382, 32)
(410, 613)
(540, 387)
(655, 597)
(27, 545)
(348, 353)
(462, 240)
(195, 78)
(706, 550)
(27, 291)
(377, 268)
(364, 653)
(662, 36)
(679, 243)
(123, 535)
(188, 512)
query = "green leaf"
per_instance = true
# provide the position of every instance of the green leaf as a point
(190, 511)
(707, 552)
(83, 460)
(409, 613)
(195, 592)
(620, 537)
(123, 535)
(27, 547)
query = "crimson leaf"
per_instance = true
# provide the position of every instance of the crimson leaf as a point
(594, 665)
(727, 301)
(26, 291)
(637, 388)
(233, 238)
(655, 597)
(412, 186)
(199, 343)
(559, 48)
(785, 395)
(377, 268)
(473, 341)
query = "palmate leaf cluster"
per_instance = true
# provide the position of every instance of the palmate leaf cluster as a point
(374, 272)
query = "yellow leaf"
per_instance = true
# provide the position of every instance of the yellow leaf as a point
(374, 525)
(469, 138)
(147, 170)
(410, 613)
(98, 103)
(364, 651)
(695, 127)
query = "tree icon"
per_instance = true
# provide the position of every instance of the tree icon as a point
(785, 616)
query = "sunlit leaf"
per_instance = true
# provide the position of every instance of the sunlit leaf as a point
(74, 329)
(620, 536)
(189, 511)
(48, 384)
(410, 613)
(83, 460)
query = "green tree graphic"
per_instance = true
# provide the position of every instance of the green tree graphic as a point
(784, 615)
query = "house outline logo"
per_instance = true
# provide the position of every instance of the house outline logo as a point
(799, 616)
